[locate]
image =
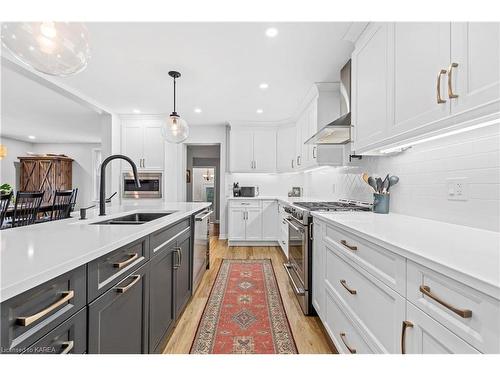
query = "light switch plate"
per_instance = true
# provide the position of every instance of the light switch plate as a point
(457, 188)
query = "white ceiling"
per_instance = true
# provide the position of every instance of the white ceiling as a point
(30, 108)
(222, 65)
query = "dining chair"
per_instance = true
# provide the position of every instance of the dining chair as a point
(73, 200)
(61, 205)
(26, 208)
(4, 205)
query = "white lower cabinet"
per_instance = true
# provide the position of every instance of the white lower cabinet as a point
(253, 224)
(283, 229)
(270, 220)
(237, 224)
(424, 335)
(373, 302)
(253, 221)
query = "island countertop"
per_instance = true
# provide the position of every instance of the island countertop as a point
(37, 253)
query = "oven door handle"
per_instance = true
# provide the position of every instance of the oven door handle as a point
(207, 214)
(298, 291)
(294, 226)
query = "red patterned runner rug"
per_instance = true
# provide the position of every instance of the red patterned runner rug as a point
(244, 312)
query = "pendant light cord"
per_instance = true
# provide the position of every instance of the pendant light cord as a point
(174, 94)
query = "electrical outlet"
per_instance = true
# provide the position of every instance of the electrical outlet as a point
(458, 189)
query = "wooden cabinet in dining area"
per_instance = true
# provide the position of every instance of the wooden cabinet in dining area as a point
(45, 173)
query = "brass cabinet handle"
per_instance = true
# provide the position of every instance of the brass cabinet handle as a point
(351, 247)
(27, 320)
(463, 313)
(178, 254)
(68, 346)
(126, 262)
(406, 324)
(451, 94)
(438, 87)
(123, 289)
(342, 337)
(344, 284)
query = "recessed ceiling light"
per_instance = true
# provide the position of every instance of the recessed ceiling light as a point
(136, 110)
(197, 110)
(271, 32)
(260, 110)
(263, 86)
(31, 137)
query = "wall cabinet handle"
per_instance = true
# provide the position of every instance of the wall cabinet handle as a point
(406, 324)
(451, 94)
(28, 320)
(292, 163)
(351, 247)
(344, 284)
(68, 346)
(123, 289)
(438, 87)
(314, 152)
(460, 312)
(342, 337)
(126, 262)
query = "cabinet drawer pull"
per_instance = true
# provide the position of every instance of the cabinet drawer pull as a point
(406, 324)
(123, 289)
(26, 321)
(126, 262)
(344, 284)
(463, 313)
(314, 152)
(178, 254)
(342, 337)
(351, 247)
(451, 94)
(438, 87)
(68, 346)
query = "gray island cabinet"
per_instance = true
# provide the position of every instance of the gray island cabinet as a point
(125, 302)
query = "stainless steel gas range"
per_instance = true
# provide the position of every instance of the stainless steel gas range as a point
(300, 237)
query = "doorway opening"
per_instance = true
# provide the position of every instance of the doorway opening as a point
(203, 179)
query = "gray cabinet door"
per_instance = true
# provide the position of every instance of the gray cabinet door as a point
(118, 320)
(183, 280)
(161, 310)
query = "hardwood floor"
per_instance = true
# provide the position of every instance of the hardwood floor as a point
(308, 331)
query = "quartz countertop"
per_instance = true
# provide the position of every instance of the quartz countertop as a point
(467, 254)
(34, 254)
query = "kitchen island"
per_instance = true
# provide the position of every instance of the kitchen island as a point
(120, 286)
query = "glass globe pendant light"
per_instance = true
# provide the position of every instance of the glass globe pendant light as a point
(175, 129)
(55, 48)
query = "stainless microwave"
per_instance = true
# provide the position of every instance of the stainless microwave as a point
(249, 191)
(151, 185)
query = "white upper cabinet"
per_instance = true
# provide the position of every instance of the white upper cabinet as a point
(475, 49)
(241, 155)
(413, 79)
(421, 56)
(371, 89)
(143, 142)
(264, 150)
(285, 154)
(252, 150)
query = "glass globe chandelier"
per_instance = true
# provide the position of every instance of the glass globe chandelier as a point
(55, 48)
(175, 129)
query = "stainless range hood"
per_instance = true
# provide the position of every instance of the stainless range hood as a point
(338, 132)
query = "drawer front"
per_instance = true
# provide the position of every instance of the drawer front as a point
(476, 318)
(119, 319)
(252, 203)
(107, 270)
(387, 266)
(424, 335)
(32, 314)
(378, 309)
(344, 334)
(68, 338)
(159, 239)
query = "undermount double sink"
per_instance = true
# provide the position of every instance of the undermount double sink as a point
(134, 219)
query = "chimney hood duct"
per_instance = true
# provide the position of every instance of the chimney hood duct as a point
(338, 132)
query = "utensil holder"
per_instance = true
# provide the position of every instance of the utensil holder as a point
(381, 203)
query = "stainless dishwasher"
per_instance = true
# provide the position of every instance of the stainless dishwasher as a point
(201, 246)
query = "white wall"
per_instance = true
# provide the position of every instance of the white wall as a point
(10, 163)
(82, 165)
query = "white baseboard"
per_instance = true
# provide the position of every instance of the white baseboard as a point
(252, 243)
(222, 236)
